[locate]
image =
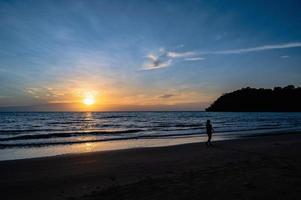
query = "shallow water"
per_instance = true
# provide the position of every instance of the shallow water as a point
(24, 135)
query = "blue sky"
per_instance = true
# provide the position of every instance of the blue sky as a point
(160, 54)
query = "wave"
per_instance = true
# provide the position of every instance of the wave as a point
(229, 133)
(178, 125)
(40, 144)
(115, 116)
(68, 122)
(64, 135)
(25, 130)
(121, 132)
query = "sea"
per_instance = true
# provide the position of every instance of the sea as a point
(41, 134)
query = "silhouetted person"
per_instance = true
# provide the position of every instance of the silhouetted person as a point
(209, 130)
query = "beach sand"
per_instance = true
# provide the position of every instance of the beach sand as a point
(264, 167)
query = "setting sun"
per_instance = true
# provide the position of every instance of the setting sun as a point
(89, 100)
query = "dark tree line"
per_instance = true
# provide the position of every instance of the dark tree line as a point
(286, 99)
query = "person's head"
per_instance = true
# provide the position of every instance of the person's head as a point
(208, 121)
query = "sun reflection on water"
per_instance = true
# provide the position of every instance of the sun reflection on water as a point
(88, 147)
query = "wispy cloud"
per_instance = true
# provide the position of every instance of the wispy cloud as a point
(258, 48)
(155, 62)
(166, 58)
(284, 56)
(173, 54)
(194, 59)
(166, 96)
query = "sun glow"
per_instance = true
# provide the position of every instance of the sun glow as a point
(89, 100)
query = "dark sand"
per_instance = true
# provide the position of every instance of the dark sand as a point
(265, 167)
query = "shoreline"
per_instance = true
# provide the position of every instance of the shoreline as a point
(93, 175)
(93, 146)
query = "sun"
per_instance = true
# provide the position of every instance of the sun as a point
(89, 100)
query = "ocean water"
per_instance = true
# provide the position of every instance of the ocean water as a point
(36, 134)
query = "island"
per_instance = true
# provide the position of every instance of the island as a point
(278, 99)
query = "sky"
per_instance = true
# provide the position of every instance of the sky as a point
(143, 54)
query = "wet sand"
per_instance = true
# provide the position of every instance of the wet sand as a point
(264, 167)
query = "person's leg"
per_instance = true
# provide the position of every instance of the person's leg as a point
(209, 139)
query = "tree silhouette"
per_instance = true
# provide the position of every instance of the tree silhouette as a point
(286, 99)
